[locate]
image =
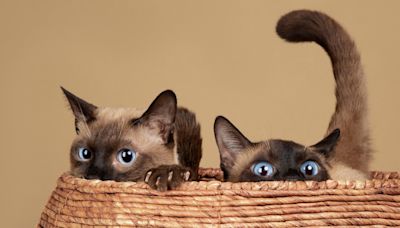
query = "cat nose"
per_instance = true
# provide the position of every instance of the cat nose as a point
(95, 173)
(292, 175)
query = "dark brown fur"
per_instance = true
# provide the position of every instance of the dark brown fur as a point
(344, 158)
(106, 131)
(188, 138)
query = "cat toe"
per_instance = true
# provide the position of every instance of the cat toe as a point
(162, 183)
(157, 179)
(167, 177)
(177, 178)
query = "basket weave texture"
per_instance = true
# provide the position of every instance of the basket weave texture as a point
(211, 203)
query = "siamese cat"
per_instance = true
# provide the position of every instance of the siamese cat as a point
(161, 145)
(344, 153)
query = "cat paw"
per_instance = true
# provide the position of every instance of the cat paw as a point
(168, 177)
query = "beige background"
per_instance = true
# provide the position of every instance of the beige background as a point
(220, 57)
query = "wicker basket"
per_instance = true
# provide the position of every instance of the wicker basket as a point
(211, 203)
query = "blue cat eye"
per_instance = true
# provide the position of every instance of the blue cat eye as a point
(263, 169)
(309, 168)
(126, 157)
(84, 154)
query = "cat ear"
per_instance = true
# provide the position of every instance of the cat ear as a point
(83, 110)
(161, 115)
(326, 145)
(230, 141)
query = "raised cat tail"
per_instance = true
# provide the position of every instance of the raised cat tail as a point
(188, 139)
(350, 115)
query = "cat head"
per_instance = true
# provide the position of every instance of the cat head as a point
(243, 160)
(119, 143)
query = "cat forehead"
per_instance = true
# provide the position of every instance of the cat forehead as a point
(284, 148)
(108, 122)
(276, 150)
(288, 154)
(113, 127)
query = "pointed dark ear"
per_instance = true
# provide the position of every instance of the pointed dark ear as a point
(326, 145)
(230, 141)
(161, 115)
(83, 110)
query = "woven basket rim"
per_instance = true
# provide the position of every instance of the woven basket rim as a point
(80, 202)
(211, 181)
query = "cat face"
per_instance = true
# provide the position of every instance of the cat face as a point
(121, 144)
(242, 160)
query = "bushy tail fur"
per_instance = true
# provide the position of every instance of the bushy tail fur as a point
(350, 115)
(188, 139)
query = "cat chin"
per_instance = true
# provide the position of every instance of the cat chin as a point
(340, 171)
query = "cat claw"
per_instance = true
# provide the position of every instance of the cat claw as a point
(170, 175)
(187, 175)
(148, 174)
(158, 181)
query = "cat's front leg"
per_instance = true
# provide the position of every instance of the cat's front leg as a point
(168, 177)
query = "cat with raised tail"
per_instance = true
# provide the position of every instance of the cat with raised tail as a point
(345, 151)
(161, 145)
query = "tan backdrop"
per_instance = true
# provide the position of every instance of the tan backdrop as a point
(220, 57)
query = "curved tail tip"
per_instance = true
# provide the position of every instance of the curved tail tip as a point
(299, 25)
